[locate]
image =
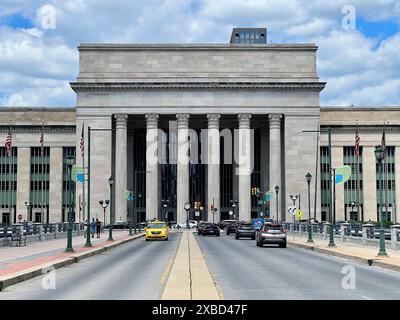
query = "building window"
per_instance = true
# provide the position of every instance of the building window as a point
(67, 185)
(8, 181)
(325, 180)
(386, 181)
(40, 184)
(353, 188)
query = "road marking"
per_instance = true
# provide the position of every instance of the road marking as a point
(367, 298)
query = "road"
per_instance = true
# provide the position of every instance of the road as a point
(136, 270)
(245, 271)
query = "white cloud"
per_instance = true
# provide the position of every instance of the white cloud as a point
(36, 64)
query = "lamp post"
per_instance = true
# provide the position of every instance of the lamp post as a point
(352, 209)
(380, 156)
(308, 178)
(110, 226)
(70, 162)
(234, 206)
(187, 207)
(28, 206)
(277, 203)
(104, 205)
(294, 198)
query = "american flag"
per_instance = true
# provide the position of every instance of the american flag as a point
(42, 142)
(8, 143)
(82, 143)
(383, 142)
(357, 145)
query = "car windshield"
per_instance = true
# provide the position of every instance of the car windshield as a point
(211, 225)
(246, 226)
(279, 228)
(156, 225)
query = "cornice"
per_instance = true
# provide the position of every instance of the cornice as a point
(361, 129)
(124, 86)
(38, 129)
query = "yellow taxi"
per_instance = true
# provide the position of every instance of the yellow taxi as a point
(156, 229)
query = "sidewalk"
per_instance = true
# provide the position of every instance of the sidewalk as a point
(21, 263)
(367, 255)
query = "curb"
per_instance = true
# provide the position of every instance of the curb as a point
(27, 274)
(375, 262)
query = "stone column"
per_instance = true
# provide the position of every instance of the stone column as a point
(121, 174)
(213, 164)
(152, 201)
(243, 159)
(264, 159)
(182, 166)
(56, 186)
(275, 162)
(23, 178)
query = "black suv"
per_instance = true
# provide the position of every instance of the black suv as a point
(231, 227)
(245, 230)
(211, 228)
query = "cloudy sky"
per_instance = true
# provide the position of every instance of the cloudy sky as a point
(359, 58)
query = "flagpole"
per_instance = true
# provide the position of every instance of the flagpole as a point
(316, 173)
(84, 176)
(9, 177)
(357, 176)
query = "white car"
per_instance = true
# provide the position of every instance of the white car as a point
(192, 224)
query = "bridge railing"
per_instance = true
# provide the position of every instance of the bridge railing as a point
(363, 234)
(38, 231)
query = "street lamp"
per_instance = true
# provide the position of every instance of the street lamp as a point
(70, 162)
(380, 156)
(234, 206)
(110, 226)
(187, 207)
(294, 197)
(28, 206)
(277, 203)
(104, 205)
(308, 178)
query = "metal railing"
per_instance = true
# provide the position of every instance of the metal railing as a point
(38, 228)
(346, 231)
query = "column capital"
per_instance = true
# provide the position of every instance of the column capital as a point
(213, 120)
(121, 121)
(183, 120)
(244, 120)
(151, 120)
(275, 120)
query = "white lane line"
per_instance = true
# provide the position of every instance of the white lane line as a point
(367, 298)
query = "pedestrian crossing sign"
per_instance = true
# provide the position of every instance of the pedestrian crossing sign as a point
(299, 214)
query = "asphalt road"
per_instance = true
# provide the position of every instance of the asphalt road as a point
(244, 271)
(136, 270)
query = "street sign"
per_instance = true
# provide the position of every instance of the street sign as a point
(197, 213)
(19, 216)
(292, 210)
(299, 214)
(230, 212)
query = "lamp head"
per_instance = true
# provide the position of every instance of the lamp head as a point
(308, 177)
(111, 180)
(276, 189)
(70, 160)
(187, 206)
(379, 153)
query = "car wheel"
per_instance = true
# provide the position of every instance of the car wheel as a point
(147, 239)
(283, 245)
(218, 234)
(166, 239)
(253, 238)
(227, 232)
(260, 244)
(204, 234)
(257, 244)
(236, 237)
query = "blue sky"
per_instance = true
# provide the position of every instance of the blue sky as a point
(361, 64)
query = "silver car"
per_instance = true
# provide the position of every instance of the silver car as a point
(271, 234)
